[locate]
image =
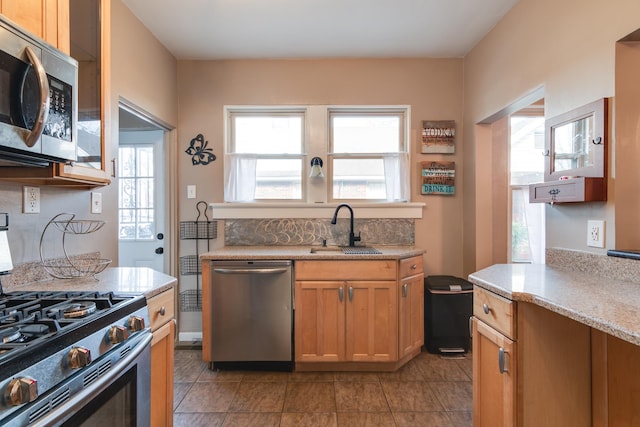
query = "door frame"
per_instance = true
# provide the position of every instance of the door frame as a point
(170, 183)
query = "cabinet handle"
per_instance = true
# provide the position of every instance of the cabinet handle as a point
(350, 293)
(340, 293)
(501, 361)
(471, 326)
(486, 308)
(162, 311)
(404, 290)
(414, 266)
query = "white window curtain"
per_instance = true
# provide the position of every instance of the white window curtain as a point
(396, 177)
(240, 179)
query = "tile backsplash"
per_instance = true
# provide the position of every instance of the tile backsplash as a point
(311, 231)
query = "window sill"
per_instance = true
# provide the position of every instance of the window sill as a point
(308, 210)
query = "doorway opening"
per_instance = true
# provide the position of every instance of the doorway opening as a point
(142, 214)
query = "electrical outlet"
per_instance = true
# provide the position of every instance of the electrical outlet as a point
(595, 233)
(31, 200)
(96, 202)
(191, 191)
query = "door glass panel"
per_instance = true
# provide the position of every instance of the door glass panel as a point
(136, 197)
(84, 27)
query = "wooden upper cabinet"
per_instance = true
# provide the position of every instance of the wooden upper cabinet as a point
(87, 24)
(576, 152)
(46, 19)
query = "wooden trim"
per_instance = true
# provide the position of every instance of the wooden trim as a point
(206, 311)
(355, 366)
(599, 395)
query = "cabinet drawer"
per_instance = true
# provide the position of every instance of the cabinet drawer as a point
(495, 311)
(580, 189)
(411, 266)
(346, 270)
(161, 309)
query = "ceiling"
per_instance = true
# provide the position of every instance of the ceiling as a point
(258, 29)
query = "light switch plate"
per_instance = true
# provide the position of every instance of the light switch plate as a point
(595, 233)
(96, 202)
(191, 191)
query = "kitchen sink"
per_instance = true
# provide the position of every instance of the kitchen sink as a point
(349, 250)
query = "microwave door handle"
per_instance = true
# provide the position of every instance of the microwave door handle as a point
(43, 105)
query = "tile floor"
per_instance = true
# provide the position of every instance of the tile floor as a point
(428, 391)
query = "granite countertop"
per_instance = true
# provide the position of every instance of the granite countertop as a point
(304, 253)
(122, 280)
(609, 304)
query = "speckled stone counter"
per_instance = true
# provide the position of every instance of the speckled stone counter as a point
(304, 252)
(606, 303)
(122, 280)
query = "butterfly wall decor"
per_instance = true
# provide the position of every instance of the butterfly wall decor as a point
(200, 154)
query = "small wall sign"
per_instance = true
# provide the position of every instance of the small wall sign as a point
(438, 177)
(438, 136)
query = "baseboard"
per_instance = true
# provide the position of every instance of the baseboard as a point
(190, 337)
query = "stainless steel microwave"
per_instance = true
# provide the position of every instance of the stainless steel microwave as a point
(38, 100)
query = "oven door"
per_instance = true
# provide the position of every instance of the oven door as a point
(119, 398)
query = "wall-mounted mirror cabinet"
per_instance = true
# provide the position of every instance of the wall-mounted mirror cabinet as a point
(576, 151)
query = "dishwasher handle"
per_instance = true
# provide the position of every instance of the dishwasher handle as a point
(236, 270)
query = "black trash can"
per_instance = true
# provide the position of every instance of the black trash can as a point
(448, 304)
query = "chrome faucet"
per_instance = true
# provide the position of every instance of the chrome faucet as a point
(352, 237)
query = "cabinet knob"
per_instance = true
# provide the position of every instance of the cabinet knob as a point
(414, 266)
(162, 311)
(486, 308)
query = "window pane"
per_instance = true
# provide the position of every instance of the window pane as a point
(268, 134)
(126, 161)
(527, 145)
(366, 134)
(278, 179)
(145, 193)
(145, 161)
(127, 193)
(358, 179)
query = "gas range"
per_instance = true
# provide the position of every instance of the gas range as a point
(54, 344)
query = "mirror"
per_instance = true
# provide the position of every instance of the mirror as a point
(572, 147)
(576, 142)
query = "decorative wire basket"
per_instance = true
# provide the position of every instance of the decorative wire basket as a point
(190, 230)
(190, 264)
(65, 268)
(191, 300)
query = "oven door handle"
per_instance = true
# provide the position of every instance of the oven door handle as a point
(43, 104)
(79, 400)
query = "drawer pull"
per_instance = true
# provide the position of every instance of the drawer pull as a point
(162, 311)
(501, 361)
(414, 266)
(486, 308)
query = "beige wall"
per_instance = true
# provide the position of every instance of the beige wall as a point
(432, 87)
(568, 48)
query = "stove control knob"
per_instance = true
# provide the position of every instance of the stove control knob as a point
(20, 391)
(78, 357)
(135, 323)
(117, 334)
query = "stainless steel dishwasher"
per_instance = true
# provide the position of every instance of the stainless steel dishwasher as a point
(252, 315)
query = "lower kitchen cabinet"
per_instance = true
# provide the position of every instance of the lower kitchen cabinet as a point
(531, 366)
(410, 307)
(349, 311)
(162, 313)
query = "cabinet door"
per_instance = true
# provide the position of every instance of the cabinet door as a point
(410, 314)
(319, 321)
(494, 377)
(162, 375)
(371, 319)
(47, 19)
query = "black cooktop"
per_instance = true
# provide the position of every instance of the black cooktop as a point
(625, 253)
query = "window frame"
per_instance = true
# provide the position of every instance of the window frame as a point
(316, 134)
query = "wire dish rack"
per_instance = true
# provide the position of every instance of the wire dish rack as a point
(68, 268)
